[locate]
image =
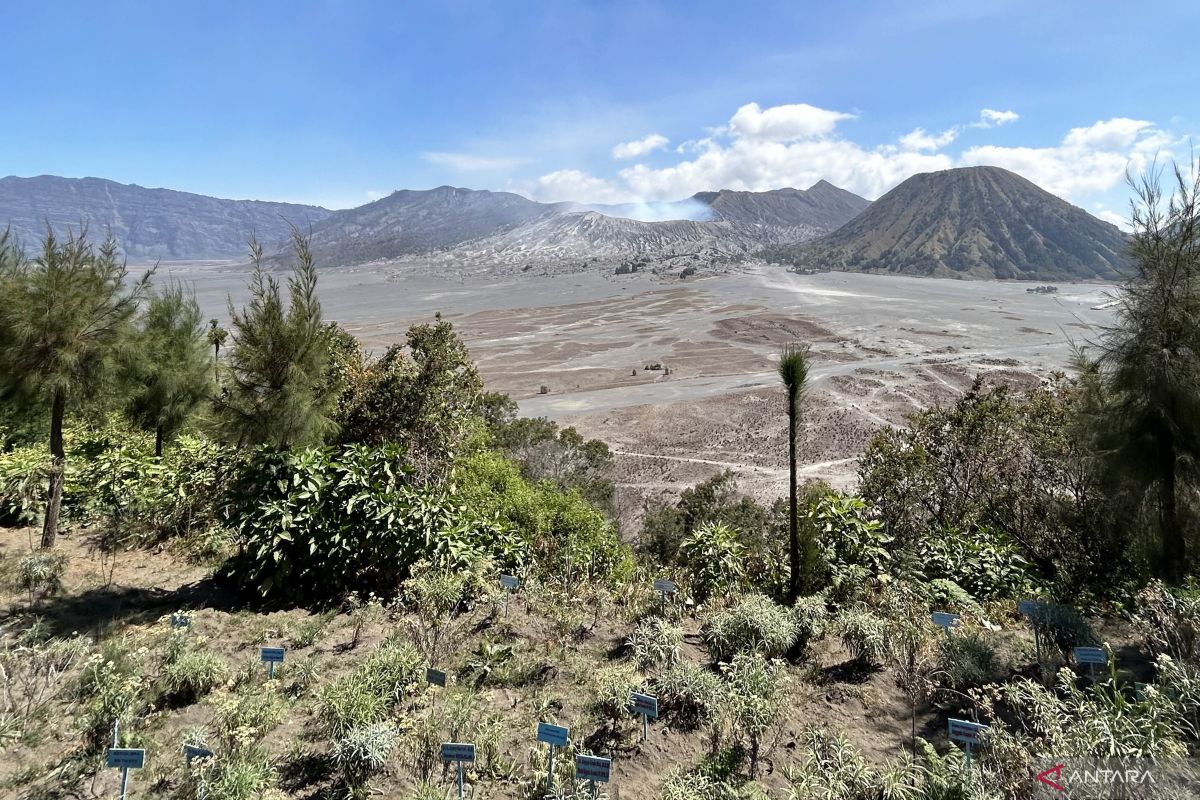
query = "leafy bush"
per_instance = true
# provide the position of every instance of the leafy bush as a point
(855, 547)
(33, 675)
(655, 644)
(362, 753)
(366, 695)
(691, 693)
(192, 674)
(863, 634)
(757, 691)
(1170, 621)
(110, 689)
(40, 573)
(315, 523)
(23, 473)
(715, 560)
(967, 661)
(242, 775)
(1063, 627)
(985, 562)
(241, 720)
(756, 624)
(611, 687)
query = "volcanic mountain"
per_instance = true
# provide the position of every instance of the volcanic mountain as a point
(147, 223)
(500, 225)
(974, 222)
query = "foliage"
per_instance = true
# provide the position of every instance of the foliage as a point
(715, 559)
(655, 644)
(428, 400)
(364, 697)
(863, 634)
(757, 693)
(855, 549)
(561, 456)
(693, 694)
(1063, 627)
(23, 472)
(362, 753)
(34, 673)
(193, 672)
(999, 461)
(41, 574)
(110, 689)
(967, 661)
(802, 558)
(757, 625)
(65, 319)
(277, 364)
(314, 523)
(169, 371)
(1144, 411)
(1170, 621)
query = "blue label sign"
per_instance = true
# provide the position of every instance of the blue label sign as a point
(126, 757)
(191, 751)
(552, 734)
(944, 619)
(644, 704)
(1090, 655)
(664, 586)
(1028, 608)
(966, 732)
(510, 582)
(592, 768)
(272, 655)
(435, 677)
(458, 751)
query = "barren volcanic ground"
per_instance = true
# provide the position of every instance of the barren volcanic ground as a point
(882, 347)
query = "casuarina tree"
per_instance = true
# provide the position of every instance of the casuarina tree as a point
(65, 324)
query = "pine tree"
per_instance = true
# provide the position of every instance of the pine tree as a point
(279, 393)
(170, 370)
(65, 319)
(1147, 374)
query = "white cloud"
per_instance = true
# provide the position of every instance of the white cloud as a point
(470, 162)
(787, 123)
(1089, 160)
(640, 147)
(573, 184)
(374, 194)
(918, 139)
(798, 144)
(1119, 220)
(990, 118)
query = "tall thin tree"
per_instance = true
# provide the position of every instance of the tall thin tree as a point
(793, 371)
(279, 392)
(1148, 363)
(169, 372)
(65, 317)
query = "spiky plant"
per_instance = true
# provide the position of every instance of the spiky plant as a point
(793, 371)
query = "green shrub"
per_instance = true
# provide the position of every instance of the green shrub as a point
(985, 562)
(863, 633)
(967, 661)
(193, 674)
(41, 572)
(655, 644)
(701, 785)
(1170, 621)
(366, 695)
(362, 753)
(110, 689)
(757, 695)
(715, 560)
(611, 687)
(756, 624)
(690, 693)
(242, 775)
(23, 485)
(1062, 627)
(241, 720)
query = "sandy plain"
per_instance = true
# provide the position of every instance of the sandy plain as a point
(882, 347)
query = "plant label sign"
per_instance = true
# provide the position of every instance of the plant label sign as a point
(180, 621)
(458, 751)
(191, 752)
(644, 704)
(435, 677)
(510, 582)
(967, 732)
(593, 768)
(272, 655)
(126, 757)
(1027, 608)
(664, 586)
(945, 620)
(553, 735)
(1090, 655)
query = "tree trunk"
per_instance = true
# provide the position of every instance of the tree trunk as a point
(158, 441)
(793, 522)
(1173, 547)
(57, 464)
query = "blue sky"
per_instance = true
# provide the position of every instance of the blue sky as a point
(339, 102)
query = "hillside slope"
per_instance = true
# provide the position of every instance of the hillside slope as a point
(147, 223)
(974, 222)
